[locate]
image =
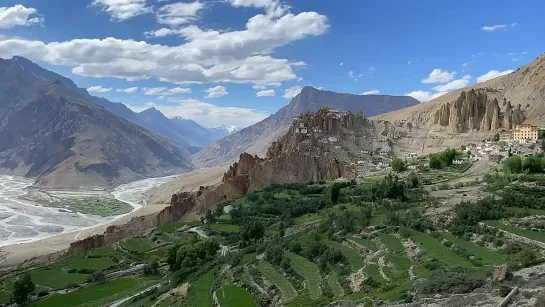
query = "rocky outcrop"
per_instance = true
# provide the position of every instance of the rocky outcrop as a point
(474, 111)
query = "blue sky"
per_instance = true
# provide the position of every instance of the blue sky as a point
(234, 62)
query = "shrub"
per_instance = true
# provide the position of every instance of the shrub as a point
(398, 165)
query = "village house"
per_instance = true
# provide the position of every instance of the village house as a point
(525, 131)
(333, 139)
(412, 167)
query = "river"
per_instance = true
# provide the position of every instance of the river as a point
(23, 221)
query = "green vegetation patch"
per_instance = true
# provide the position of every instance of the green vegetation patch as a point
(286, 289)
(89, 295)
(440, 252)
(333, 284)
(94, 206)
(248, 258)
(396, 255)
(308, 218)
(231, 296)
(309, 271)
(200, 291)
(533, 235)
(56, 279)
(372, 270)
(353, 257)
(172, 227)
(365, 242)
(225, 228)
(488, 257)
(137, 244)
(102, 251)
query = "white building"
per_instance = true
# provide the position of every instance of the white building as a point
(458, 161)
(361, 162)
(412, 167)
(412, 155)
(227, 209)
(333, 139)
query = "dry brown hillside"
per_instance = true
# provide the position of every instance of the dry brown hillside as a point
(524, 87)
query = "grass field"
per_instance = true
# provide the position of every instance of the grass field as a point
(397, 256)
(377, 220)
(440, 252)
(137, 244)
(55, 278)
(4, 297)
(103, 251)
(231, 296)
(333, 284)
(372, 270)
(225, 227)
(527, 211)
(247, 258)
(307, 218)
(365, 242)
(309, 271)
(199, 293)
(82, 262)
(534, 235)
(353, 257)
(285, 287)
(96, 295)
(489, 257)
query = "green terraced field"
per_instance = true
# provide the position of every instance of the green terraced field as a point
(534, 235)
(489, 257)
(365, 242)
(200, 291)
(333, 283)
(137, 244)
(440, 252)
(309, 271)
(172, 227)
(285, 287)
(373, 271)
(225, 227)
(231, 296)
(56, 278)
(397, 256)
(354, 258)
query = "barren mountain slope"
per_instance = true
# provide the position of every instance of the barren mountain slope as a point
(524, 87)
(51, 133)
(256, 138)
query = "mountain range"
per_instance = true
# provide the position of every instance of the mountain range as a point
(255, 139)
(183, 132)
(61, 137)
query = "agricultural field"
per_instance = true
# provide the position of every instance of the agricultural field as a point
(310, 244)
(95, 206)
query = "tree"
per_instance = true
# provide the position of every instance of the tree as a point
(532, 165)
(252, 230)
(496, 137)
(22, 287)
(398, 165)
(512, 165)
(97, 276)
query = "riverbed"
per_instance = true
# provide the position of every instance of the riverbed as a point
(23, 220)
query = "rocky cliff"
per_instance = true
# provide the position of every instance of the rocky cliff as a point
(257, 138)
(474, 110)
(500, 103)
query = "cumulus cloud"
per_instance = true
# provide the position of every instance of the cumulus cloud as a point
(266, 93)
(493, 28)
(454, 85)
(493, 74)
(292, 92)
(127, 90)
(252, 3)
(19, 15)
(180, 13)
(123, 9)
(98, 89)
(439, 76)
(240, 56)
(216, 91)
(371, 92)
(164, 91)
(424, 96)
(208, 114)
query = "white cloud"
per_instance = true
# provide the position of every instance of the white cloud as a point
(524, 52)
(454, 85)
(371, 92)
(464, 65)
(19, 15)
(180, 13)
(217, 91)
(240, 56)
(353, 76)
(161, 32)
(252, 3)
(409, 63)
(292, 92)
(163, 91)
(424, 96)
(127, 90)
(259, 86)
(514, 24)
(209, 115)
(515, 59)
(439, 76)
(98, 89)
(265, 93)
(341, 63)
(493, 28)
(123, 9)
(371, 70)
(493, 74)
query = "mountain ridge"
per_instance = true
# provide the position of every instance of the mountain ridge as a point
(256, 138)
